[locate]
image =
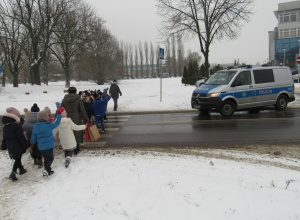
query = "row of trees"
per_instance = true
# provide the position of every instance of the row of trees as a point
(37, 33)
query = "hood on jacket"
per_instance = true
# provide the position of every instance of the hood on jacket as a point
(32, 118)
(64, 122)
(70, 98)
(8, 118)
(40, 127)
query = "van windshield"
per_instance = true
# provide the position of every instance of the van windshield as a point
(222, 77)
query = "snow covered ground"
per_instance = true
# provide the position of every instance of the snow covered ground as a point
(112, 184)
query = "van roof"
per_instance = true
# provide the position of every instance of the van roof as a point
(255, 67)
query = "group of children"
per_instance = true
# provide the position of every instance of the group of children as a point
(37, 135)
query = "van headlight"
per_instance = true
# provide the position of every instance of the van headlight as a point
(215, 94)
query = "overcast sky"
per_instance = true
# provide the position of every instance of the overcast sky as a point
(136, 20)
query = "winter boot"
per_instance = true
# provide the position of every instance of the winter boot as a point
(39, 163)
(68, 161)
(12, 176)
(50, 171)
(22, 170)
(77, 150)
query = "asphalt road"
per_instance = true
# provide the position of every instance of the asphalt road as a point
(191, 129)
(194, 129)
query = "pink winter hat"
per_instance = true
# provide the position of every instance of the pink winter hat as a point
(14, 111)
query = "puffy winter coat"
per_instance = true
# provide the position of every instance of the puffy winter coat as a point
(114, 90)
(99, 106)
(76, 111)
(28, 124)
(66, 135)
(13, 136)
(42, 133)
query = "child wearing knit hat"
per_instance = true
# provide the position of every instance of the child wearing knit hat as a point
(66, 135)
(14, 140)
(28, 127)
(42, 135)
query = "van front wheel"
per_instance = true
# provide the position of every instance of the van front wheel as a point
(227, 108)
(281, 103)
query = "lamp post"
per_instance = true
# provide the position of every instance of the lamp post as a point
(284, 57)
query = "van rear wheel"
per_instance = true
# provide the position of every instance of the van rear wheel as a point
(227, 108)
(281, 103)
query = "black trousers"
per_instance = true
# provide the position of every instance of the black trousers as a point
(17, 163)
(115, 103)
(48, 158)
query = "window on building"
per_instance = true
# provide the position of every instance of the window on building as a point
(293, 16)
(281, 18)
(293, 33)
(286, 33)
(299, 16)
(298, 30)
(263, 76)
(286, 17)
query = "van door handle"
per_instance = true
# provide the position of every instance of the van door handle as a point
(250, 86)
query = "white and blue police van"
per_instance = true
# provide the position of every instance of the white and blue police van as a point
(245, 88)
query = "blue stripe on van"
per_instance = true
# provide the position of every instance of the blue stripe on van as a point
(257, 92)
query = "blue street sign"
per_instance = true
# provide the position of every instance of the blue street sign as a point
(161, 53)
(0, 69)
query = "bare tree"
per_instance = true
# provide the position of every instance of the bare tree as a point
(146, 49)
(141, 59)
(180, 55)
(136, 61)
(131, 63)
(13, 39)
(174, 55)
(126, 59)
(168, 58)
(72, 32)
(39, 18)
(208, 20)
(158, 60)
(152, 57)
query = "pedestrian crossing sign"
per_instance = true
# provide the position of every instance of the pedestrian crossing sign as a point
(161, 53)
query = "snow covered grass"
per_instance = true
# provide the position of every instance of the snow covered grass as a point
(158, 186)
(117, 185)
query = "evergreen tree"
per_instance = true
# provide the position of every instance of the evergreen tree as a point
(184, 79)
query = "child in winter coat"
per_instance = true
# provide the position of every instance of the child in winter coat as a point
(66, 135)
(28, 127)
(42, 135)
(14, 140)
(99, 110)
(50, 118)
(27, 113)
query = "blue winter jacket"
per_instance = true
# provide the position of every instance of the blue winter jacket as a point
(42, 133)
(99, 106)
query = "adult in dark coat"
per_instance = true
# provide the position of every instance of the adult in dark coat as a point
(74, 107)
(15, 141)
(114, 92)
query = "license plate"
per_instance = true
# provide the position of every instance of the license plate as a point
(197, 106)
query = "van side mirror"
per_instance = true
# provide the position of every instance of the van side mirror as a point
(236, 83)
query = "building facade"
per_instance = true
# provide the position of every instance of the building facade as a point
(284, 40)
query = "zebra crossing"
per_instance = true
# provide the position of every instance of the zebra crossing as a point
(112, 126)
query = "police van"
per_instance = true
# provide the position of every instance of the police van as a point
(245, 88)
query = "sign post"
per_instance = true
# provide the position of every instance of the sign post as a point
(161, 57)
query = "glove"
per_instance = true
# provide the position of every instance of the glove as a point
(120, 94)
(29, 148)
(60, 110)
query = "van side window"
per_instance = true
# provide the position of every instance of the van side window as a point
(263, 76)
(244, 77)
